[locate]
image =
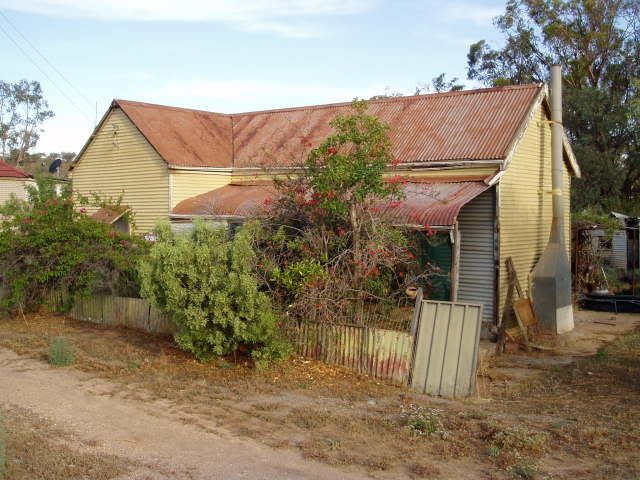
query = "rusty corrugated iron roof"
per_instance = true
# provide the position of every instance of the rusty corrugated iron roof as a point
(466, 125)
(430, 204)
(182, 136)
(424, 203)
(109, 215)
(9, 171)
(242, 199)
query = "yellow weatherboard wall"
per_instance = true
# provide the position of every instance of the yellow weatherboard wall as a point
(120, 161)
(13, 187)
(525, 210)
(189, 183)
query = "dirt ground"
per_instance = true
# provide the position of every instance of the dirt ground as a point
(132, 406)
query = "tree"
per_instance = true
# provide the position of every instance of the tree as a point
(327, 249)
(23, 109)
(597, 42)
(438, 84)
(8, 117)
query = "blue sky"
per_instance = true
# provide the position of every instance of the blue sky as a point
(231, 55)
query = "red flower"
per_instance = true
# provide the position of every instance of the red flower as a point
(395, 162)
(83, 210)
(395, 204)
(267, 201)
(332, 150)
(398, 179)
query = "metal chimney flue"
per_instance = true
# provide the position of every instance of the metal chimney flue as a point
(551, 277)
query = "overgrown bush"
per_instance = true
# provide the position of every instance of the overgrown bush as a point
(328, 245)
(61, 352)
(206, 282)
(49, 244)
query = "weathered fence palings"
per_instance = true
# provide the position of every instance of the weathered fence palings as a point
(113, 310)
(381, 353)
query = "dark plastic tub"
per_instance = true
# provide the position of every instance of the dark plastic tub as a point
(611, 303)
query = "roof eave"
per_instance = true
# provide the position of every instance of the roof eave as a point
(542, 99)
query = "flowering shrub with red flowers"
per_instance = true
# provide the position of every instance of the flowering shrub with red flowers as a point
(328, 252)
(47, 244)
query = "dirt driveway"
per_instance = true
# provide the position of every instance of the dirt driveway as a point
(133, 406)
(147, 433)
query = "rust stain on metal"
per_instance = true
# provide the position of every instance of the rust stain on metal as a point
(182, 136)
(109, 215)
(423, 203)
(384, 354)
(467, 125)
(432, 203)
(236, 199)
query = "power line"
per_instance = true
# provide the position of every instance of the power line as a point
(2, 29)
(11, 24)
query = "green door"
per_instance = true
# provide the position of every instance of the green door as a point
(434, 260)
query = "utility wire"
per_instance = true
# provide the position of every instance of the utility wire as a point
(3, 30)
(12, 25)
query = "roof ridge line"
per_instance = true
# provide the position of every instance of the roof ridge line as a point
(475, 91)
(118, 101)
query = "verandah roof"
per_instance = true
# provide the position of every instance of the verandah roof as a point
(424, 203)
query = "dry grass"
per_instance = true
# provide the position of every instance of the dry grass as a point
(36, 449)
(586, 414)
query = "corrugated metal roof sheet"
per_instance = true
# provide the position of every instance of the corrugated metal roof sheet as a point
(430, 204)
(236, 199)
(424, 203)
(182, 136)
(467, 125)
(9, 171)
(109, 215)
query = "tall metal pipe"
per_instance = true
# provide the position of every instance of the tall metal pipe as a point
(557, 226)
(551, 277)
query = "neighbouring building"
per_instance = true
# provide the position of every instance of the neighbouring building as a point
(483, 155)
(13, 182)
(619, 248)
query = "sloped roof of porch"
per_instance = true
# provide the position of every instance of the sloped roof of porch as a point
(424, 203)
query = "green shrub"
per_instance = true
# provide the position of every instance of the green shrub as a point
(61, 352)
(295, 275)
(48, 244)
(207, 284)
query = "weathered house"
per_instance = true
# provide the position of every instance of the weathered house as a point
(484, 155)
(13, 182)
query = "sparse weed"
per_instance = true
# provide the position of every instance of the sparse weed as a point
(516, 449)
(61, 352)
(424, 422)
(132, 366)
(494, 451)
